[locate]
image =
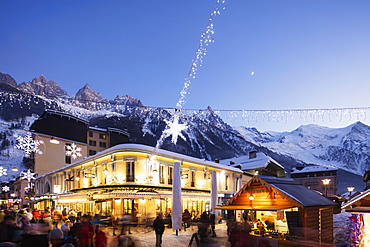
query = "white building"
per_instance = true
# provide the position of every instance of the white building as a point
(136, 179)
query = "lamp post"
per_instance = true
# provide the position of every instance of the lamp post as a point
(350, 190)
(326, 183)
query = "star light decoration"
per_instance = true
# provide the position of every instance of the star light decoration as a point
(3, 171)
(28, 175)
(5, 188)
(29, 145)
(74, 151)
(174, 129)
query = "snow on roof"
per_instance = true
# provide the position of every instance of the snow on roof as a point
(313, 168)
(260, 161)
(296, 191)
(356, 198)
(97, 129)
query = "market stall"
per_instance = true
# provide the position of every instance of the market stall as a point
(282, 212)
(359, 223)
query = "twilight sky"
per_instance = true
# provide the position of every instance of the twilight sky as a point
(267, 54)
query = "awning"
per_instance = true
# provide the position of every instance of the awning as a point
(245, 207)
(358, 210)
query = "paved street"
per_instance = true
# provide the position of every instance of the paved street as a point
(146, 237)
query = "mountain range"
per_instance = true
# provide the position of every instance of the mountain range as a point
(207, 136)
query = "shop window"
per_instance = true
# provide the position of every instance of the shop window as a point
(92, 143)
(227, 182)
(130, 171)
(193, 176)
(102, 144)
(170, 175)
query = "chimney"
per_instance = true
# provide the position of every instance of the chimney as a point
(231, 163)
(252, 154)
(217, 161)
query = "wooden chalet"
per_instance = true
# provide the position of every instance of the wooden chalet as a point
(300, 216)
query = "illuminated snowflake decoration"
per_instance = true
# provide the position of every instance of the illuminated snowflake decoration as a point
(2, 171)
(28, 144)
(74, 151)
(174, 129)
(28, 175)
(5, 188)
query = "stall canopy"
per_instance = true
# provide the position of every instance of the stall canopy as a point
(359, 203)
(271, 193)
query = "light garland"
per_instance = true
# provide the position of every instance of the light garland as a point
(230, 116)
(3, 171)
(5, 188)
(206, 39)
(73, 150)
(28, 175)
(28, 144)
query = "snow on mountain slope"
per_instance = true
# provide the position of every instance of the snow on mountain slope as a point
(347, 148)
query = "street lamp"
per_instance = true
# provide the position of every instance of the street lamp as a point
(350, 190)
(326, 183)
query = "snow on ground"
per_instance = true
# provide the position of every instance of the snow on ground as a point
(146, 237)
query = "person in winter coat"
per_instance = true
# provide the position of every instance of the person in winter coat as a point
(186, 218)
(66, 227)
(100, 237)
(158, 226)
(56, 239)
(84, 231)
(9, 230)
(36, 215)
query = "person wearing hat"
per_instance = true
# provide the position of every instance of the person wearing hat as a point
(56, 239)
(9, 230)
(158, 226)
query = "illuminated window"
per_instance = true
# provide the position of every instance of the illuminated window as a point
(193, 176)
(161, 174)
(130, 171)
(169, 175)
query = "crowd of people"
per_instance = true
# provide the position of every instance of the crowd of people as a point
(70, 228)
(60, 228)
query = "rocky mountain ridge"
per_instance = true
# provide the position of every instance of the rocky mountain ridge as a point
(207, 135)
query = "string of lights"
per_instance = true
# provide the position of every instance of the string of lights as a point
(230, 115)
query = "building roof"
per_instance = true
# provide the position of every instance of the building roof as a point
(356, 201)
(290, 194)
(313, 168)
(260, 161)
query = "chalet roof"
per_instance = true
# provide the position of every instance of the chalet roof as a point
(355, 201)
(297, 194)
(260, 161)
